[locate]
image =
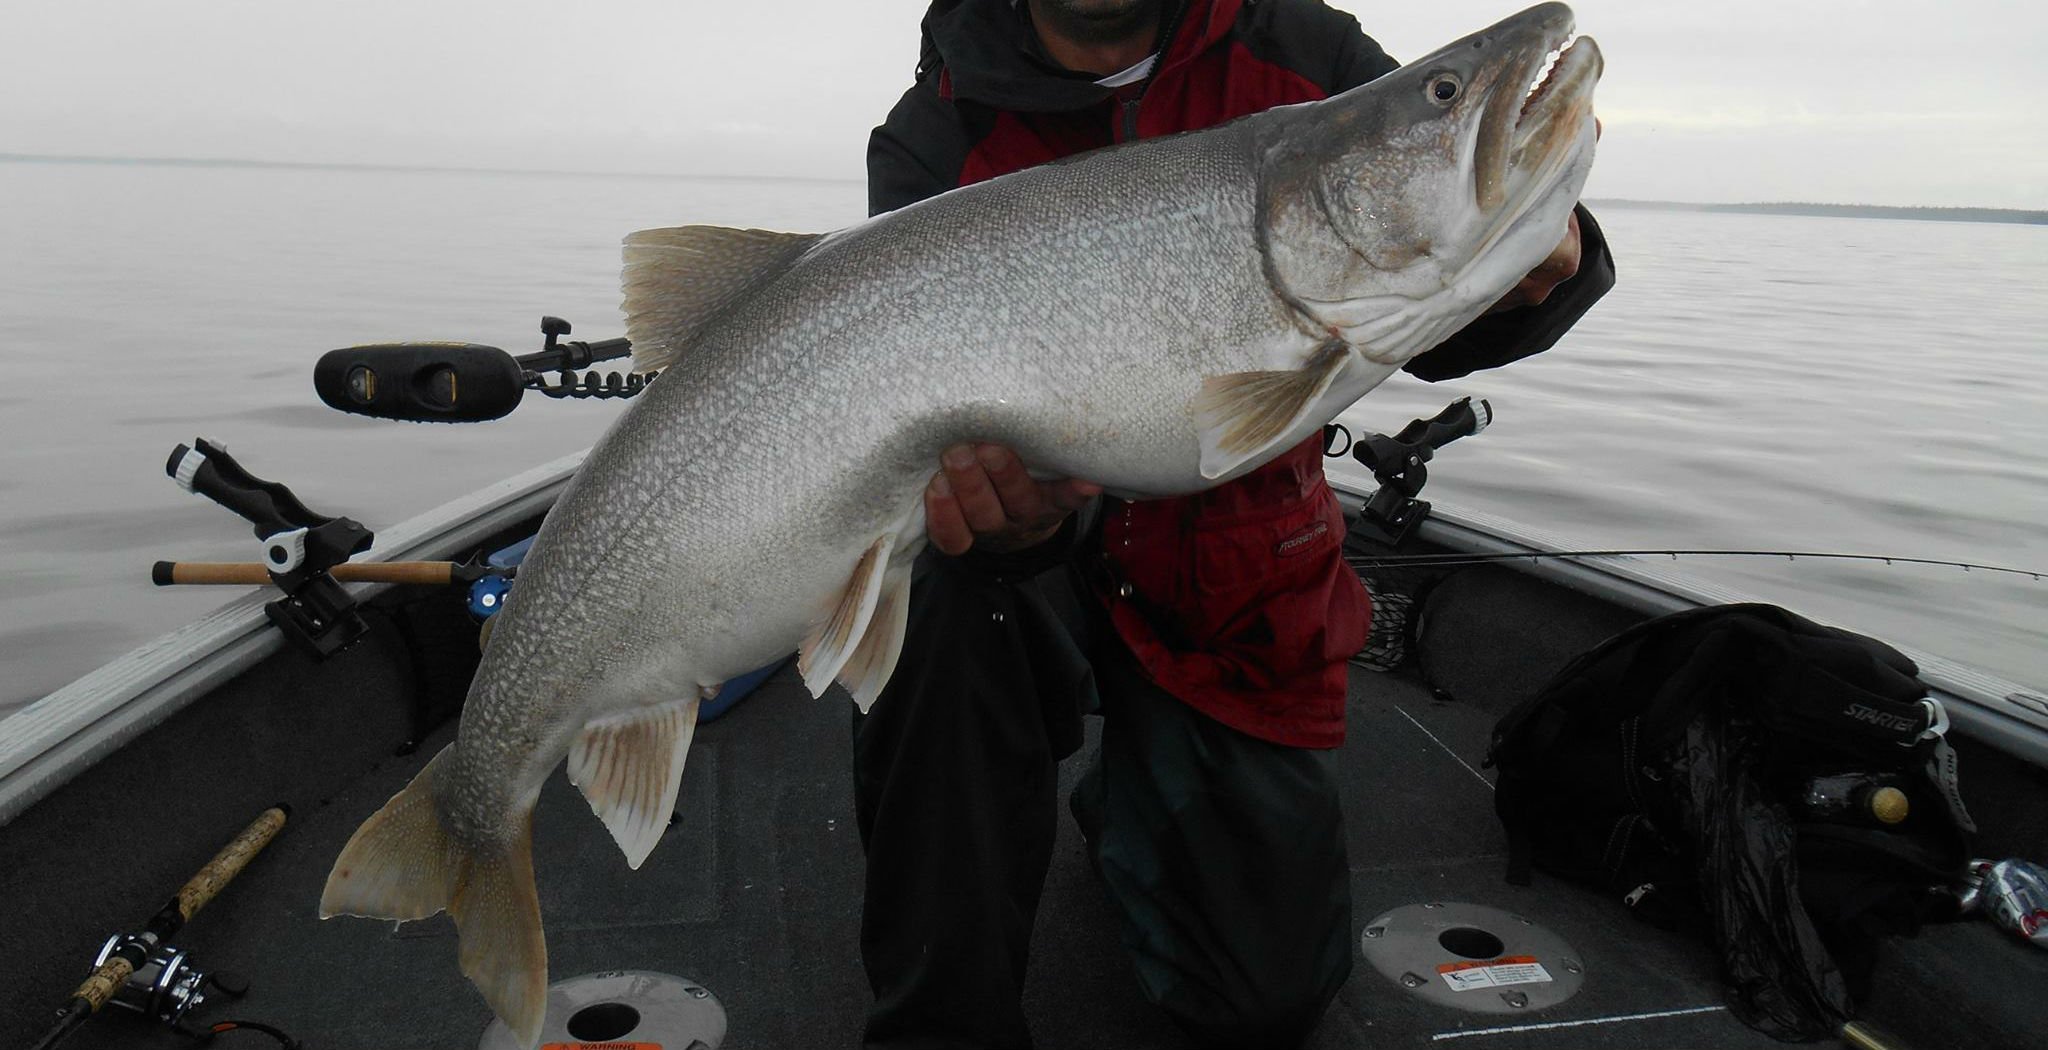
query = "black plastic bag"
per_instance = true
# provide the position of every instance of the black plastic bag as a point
(1659, 767)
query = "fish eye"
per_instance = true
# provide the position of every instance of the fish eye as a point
(1444, 87)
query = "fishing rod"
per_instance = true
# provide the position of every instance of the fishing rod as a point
(1400, 464)
(257, 574)
(141, 971)
(1375, 561)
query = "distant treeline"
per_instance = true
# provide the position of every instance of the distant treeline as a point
(1863, 211)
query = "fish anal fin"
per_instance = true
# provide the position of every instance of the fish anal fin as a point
(833, 639)
(874, 660)
(1243, 414)
(678, 277)
(630, 767)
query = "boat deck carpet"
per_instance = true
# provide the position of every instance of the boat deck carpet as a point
(754, 892)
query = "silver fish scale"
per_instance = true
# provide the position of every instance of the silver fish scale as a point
(1069, 312)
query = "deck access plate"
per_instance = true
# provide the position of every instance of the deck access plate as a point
(1472, 957)
(636, 1009)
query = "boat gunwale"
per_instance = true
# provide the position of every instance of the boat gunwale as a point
(1984, 706)
(46, 743)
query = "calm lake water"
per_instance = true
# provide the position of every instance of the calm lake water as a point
(1754, 382)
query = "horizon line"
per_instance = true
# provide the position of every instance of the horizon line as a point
(239, 162)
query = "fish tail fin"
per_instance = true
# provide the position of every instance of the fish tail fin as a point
(400, 864)
(403, 864)
(497, 912)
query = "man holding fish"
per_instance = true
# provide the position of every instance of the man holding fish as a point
(1217, 626)
(1173, 319)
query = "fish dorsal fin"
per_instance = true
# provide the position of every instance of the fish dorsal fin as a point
(833, 640)
(678, 277)
(1243, 414)
(874, 660)
(630, 766)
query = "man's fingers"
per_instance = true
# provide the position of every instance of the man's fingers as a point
(942, 520)
(983, 496)
(1071, 494)
(972, 489)
(1564, 262)
(1014, 486)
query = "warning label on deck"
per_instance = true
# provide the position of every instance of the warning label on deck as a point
(1493, 973)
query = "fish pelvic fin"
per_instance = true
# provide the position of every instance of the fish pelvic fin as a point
(630, 768)
(834, 639)
(679, 277)
(874, 660)
(1243, 414)
(402, 864)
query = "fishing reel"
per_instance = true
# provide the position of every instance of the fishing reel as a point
(1401, 465)
(167, 986)
(467, 382)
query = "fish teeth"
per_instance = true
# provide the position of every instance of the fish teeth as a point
(1542, 78)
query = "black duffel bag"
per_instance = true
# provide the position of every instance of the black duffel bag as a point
(1683, 766)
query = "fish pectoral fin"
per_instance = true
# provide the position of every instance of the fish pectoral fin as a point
(403, 864)
(1243, 414)
(678, 277)
(630, 767)
(874, 660)
(834, 639)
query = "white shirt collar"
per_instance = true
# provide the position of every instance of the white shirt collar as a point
(1132, 75)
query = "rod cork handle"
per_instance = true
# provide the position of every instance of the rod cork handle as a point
(230, 861)
(104, 982)
(1862, 1035)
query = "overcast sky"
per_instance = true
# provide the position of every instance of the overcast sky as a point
(1872, 101)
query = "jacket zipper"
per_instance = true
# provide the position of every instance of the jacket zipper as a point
(1130, 105)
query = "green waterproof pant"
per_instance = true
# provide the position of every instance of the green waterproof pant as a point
(1224, 856)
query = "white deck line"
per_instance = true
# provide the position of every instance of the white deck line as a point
(1547, 1025)
(1455, 757)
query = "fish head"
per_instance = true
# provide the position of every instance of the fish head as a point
(1396, 212)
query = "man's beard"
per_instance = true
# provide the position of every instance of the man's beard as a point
(1097, 21)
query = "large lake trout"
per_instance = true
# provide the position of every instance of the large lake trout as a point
(1158, 317)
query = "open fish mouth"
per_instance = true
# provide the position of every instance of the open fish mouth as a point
(1537, 110)
(1560, 95)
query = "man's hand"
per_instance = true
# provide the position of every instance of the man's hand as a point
(1560, 267)
(982, 496)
